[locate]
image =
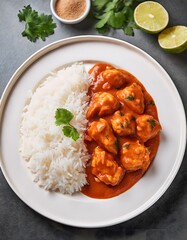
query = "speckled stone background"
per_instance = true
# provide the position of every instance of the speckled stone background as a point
(167, 218)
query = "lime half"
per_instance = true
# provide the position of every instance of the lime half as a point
(173, 39)
(151, 17)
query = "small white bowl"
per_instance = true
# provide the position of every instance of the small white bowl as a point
(72, 21)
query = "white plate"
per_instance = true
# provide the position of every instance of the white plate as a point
(79, 210)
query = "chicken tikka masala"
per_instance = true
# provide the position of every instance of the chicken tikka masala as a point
(123, 131)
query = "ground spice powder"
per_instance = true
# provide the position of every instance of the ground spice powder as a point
(70, 9)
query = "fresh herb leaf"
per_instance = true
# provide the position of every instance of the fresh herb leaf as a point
(103, 30)
(129, 21)
(128, 2)
(70, 131)
(121, 124)
(117, 88)
(103, 20)
(152, 122)
(129, 98)
(116, 14)
(149, 149)
(98, 4)
(127, 125)
(63, 116)
(110, 6)
(128, 30)
(36, 25)
(126, 146)
(121, 113)
(116, 143)
(116, 20)
(74, 134)
(27, 14)
(152, 102)
(67, 130)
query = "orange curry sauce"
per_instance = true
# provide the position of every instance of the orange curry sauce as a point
(98, 189)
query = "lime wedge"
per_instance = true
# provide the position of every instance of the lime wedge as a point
(173, 39)
(151, 17)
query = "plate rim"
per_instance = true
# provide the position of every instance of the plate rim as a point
(66, 41)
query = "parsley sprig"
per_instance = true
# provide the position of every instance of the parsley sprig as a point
(36, 25)
(63, 117)
(117, 14)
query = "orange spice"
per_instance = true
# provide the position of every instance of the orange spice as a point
(70, 9)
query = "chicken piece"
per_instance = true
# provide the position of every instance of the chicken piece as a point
(102, 104)
(105, 168)
(134, 156)
(147, 127)
(102, 133)
(133, 97)
(110, 78)
(98, 68)
(95, 73)
(123, 124)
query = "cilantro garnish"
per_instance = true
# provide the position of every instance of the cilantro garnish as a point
(36, 25)
(149, 149)
(152, 102)
(127, 125)
(129, 98)
(116, 14)
(152, 123)
(63, 117)
(116, 143)
(126, 146)
(70, 131)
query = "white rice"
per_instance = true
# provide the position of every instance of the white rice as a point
(58, 162)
